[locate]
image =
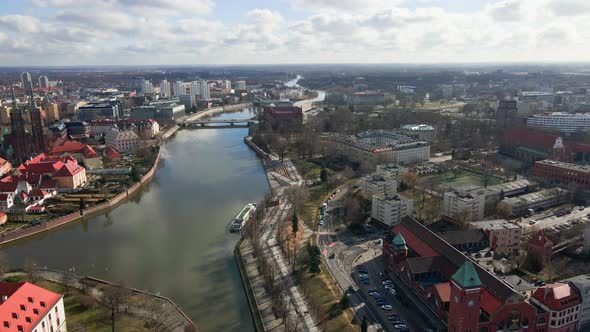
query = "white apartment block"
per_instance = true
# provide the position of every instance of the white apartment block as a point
(390, 210)
(465, 204)
(391, 171)
(122, 140)
(376, 184)
(564, 122)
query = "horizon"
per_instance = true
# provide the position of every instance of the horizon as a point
(66, 33)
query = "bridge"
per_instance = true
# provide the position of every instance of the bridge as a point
(216, 124)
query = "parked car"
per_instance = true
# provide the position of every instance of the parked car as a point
(386, 307)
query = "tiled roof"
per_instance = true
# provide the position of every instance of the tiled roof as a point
(74, 147)
(38, 193)
(540, 239)
(24, 301)
(444, 291)
(427, 238)
(70, 168)
(8, 186)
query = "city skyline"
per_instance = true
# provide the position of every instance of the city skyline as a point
(208, 32)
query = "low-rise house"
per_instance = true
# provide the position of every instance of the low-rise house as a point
(30, 308)
(83, 153)
(111, 154)
(71, 176)
(6, 202)
(582, 285)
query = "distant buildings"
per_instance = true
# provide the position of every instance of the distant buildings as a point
(43, 82)
(506, 114)
(30, 308)
(562, 122)
(103, 110)
(367, 98)
(383, 146)
(390, 209)
(122, 140)
(165, 89)
(178, 88)
(239, 85)
(564, 173)
(529, 145)
(464, 204)
(163, 110)
(421, 132)
(26, 81)
(283, 111)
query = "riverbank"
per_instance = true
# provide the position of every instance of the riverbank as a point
(79, 215)
(215, 110)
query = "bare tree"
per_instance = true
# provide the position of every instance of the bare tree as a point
(298, 196)
(280, 145)
(67, 280)
(114, 297)
(32, 270)
(159, 316)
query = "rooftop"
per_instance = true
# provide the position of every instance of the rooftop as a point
(418, 127)
(497, 224)
(568, 166)
(25, 306)
(537, 196)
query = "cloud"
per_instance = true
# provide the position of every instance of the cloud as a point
(190, 7)
(344, 5)
(569, 7)
(19, 23)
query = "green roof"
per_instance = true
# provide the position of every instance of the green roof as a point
(399, 243)
(466, 276)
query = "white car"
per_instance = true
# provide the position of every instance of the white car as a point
(386, 282)
(387, 307)
(392, 291)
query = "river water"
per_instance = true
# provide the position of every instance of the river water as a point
(171, 238)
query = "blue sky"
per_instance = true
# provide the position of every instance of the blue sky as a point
(145, 32)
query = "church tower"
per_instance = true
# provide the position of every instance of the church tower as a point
(400, 249)
(465, 299)
(36, 125)
(17, 132)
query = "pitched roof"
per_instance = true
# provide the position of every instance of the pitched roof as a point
(111, 153)
(464, 236)
(74, 147)
(48, 184)
(466, 276)
(540, 239)
(399, 243)
(444, 291)
(24, 301)
(426, 264)
(38, 193)
(8, 186)
(435, 243)
(414, 242)
(70, 168)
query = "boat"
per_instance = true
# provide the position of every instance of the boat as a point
(242, 217)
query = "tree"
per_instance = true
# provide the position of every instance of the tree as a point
(66, 281)
(159, 316)
(410, 179)
(298, 196)
(134, 174)
(364, 324)
(32, 270)
(280, 145)
(314, 258)
(344, 302)
(323, 175)
(113, 297)
(295, 224)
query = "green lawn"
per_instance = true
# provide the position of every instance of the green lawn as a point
(308, 170)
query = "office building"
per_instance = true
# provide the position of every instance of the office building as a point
(101, 110)
(421, 132)
(178, 88)
(239, 85)
(189, 101)
(204, 90)
(377, 184)
(226, 85)
(564, 173)
(137, 84)
(391, 171)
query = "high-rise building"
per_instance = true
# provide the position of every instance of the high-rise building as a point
(227, 85)
(17, 132)
(137, 84)
(240, 85)
(26, 80)
(204, 91)
(165, 89)
(178, 88)
(36, 124)
(147, 87)
(43, 82)
(194, 88)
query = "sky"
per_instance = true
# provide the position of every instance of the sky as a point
(217, 32)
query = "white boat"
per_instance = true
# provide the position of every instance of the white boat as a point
(242, 217)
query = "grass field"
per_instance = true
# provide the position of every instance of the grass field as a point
(462, 178)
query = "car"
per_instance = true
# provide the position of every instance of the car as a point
(393, 319)
(387, 307)
(400, 326)
(387, 286)
(381, 275)
(365, 282)
(532, 222)
(581, 208)
(386, 282)
(392, 291)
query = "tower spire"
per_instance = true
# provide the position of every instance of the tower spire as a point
(14, 106)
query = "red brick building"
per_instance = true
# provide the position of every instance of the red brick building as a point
(458, 292)
(286, 112)
(532, 145)
(540, 244)
(564, 173)
(562, 301)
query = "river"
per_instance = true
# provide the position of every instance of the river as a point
(171, 238)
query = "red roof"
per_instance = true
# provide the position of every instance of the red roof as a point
(557, 296)
(48, 184)
(489, 302)
(111, 153)
(444, 291)
(74, 147)
(27, 177)
(540, 240)
(3, 197)
(70, 168)
(412, 241)
(24, 301)
(23, 195)
(38, 193)
(6, 187)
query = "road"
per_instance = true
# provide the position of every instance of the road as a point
(548, 220)
(343, 251)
